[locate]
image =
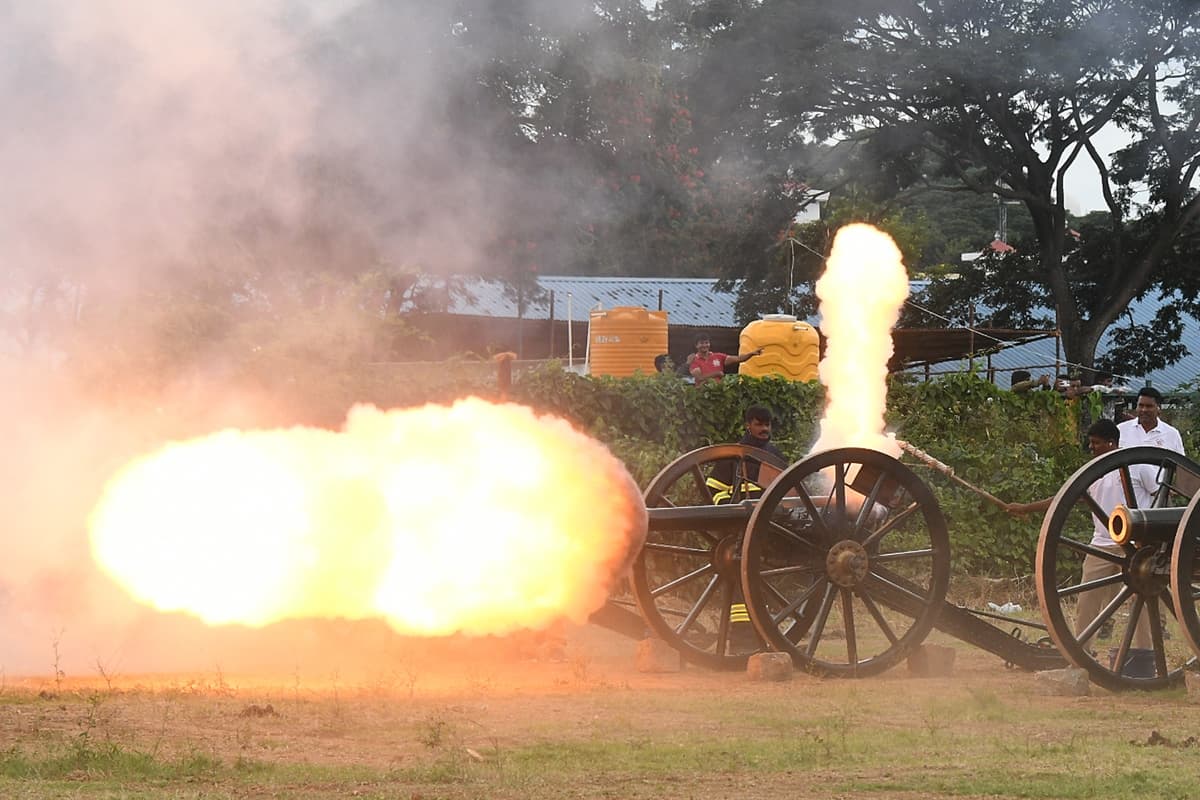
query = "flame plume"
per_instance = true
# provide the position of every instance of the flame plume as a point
(478, 518)
(862, 290)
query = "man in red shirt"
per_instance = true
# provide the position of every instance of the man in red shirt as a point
(705, 365)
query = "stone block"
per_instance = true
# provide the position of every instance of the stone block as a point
(1069, 682)
(655, 655)
(931, 661)
(770, 667)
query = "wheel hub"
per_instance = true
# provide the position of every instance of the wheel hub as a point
(847, 563)
(727, 556)
(1145, 575)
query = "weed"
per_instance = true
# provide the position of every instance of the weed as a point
(59, 675)
(934, 719)
(580, 667)
(104, 673)
(434, 731)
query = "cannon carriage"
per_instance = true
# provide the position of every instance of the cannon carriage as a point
(842, 560)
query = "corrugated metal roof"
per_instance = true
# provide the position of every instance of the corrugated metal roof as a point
(1035, 354)
(687, 301)
(695, 302)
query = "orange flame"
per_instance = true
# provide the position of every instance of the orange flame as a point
(477, 518)
(862, 291)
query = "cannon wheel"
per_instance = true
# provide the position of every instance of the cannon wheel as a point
(846, 562)
(685, 581)
(1185, 574)
(1141, 583)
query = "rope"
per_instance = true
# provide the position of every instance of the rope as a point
(948, 471)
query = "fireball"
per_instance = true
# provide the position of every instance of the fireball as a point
(477, 518)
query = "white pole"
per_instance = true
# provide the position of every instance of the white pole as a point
(587, 351)
(570, 334)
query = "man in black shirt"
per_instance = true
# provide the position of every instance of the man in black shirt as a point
(744, 479)
(758, 434)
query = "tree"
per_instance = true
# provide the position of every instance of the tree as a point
(1003, 97)
(783, 279)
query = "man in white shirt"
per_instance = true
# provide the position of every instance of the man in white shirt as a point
(1148, 429)
(1107, 491)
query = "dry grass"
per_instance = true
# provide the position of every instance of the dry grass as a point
(480, 721)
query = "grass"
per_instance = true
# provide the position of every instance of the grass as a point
(567, 730)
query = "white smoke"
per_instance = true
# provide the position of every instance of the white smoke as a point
(148, 146)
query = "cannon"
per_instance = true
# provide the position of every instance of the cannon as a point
(842, 560)
(1154, 569)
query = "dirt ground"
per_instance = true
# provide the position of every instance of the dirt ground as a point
(478, 700)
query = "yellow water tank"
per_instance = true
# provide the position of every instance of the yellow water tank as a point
(790, 348)
(626, 339)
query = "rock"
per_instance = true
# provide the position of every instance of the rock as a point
(770, 667)
(1069, 682)
(655, 655)
(931, 661)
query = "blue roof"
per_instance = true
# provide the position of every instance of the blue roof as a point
(696, 302)
(1046, 353)
(687, 301)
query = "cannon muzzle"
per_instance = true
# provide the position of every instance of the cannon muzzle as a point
(1144, 525)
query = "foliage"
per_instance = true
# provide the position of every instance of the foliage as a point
(1000, 98)
(1019, 447)
(650, 420)
(784, 281)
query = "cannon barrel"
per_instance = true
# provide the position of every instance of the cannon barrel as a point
(1146, 525)
(685, 518)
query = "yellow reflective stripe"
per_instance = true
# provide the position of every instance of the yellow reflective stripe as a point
(738, 613)
(723, 492)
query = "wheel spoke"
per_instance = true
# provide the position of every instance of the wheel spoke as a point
(792, 536)
(792, 570)
(1127, 637)
(816, 515)
(890, 525)
(701, 482)
(793, 605)
(896, 583)
(822, 617)
(701, 602)
(903, 555)
(1127, 486)
(681, 580)
(1094, 507)
(726, 606)
(1099, 583)
(1156, 638)
(679, 549)
(848, 621)
(839, 490)
(868, 503)
(877, 615)
(1105, 614)
(1091, 550)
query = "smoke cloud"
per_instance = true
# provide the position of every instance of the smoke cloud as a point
(155, 152)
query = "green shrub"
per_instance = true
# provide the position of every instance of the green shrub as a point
(1019, 447)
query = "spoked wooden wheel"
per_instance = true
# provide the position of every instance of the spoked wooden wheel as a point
(686, 579)
(1185, 574)
(1120, 623)
(846, 562)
